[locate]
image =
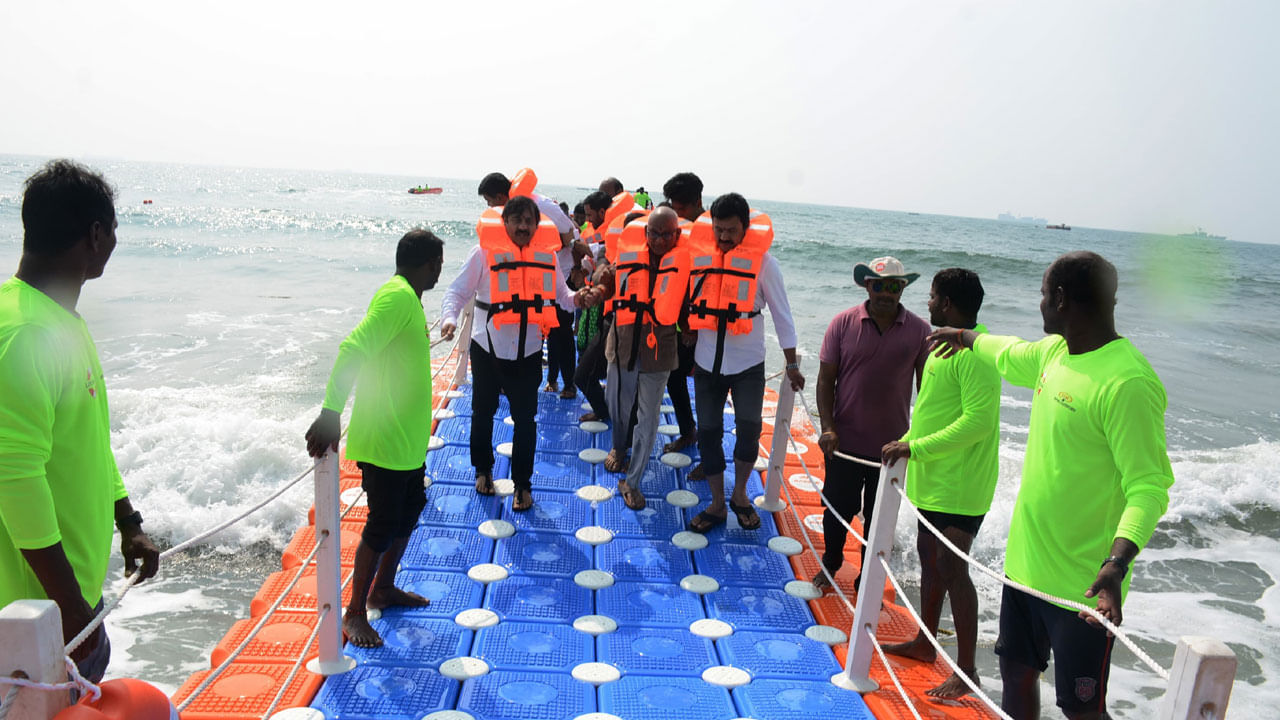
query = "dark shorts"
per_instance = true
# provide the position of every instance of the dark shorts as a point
(1030, 628)
(965, 523)
(396, 499)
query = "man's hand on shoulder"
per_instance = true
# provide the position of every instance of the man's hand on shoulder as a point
(947, 341)
(892, 451)
(324, 433)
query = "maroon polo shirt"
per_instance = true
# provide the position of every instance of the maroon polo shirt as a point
(875, 374)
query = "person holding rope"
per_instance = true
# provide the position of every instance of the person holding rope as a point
(1094, 484)
(60, 489)
(952, 468)
(387, 357)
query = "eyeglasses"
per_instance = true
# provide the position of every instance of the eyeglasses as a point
(890, 286)
(664, 235)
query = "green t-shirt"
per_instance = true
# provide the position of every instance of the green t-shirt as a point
(955, 435)
(388, 359)
(1096, 465)
(58, 477)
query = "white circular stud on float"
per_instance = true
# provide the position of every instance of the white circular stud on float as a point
(353, 497)
(676, 460)
(373, 614)
(453, 394)
(504, 449)
(595, 624)
(682, 498)
(476, 618)
(585, 406)
(504, 487)
(711, 629)
(699, 584)
(813, 522)
(592, 426)
(450, 715)
(671, 430)
(594, 456)
(443, 414)
(687, 540)
(595, 673)
(804, 482)
(297, 713)
(802, 589)
(762, 463)
(826, 634)
(594, 535)
(726, 677)
(435, 442)
(593, 579)
(594, 493)
(667, 408)
(597, 716)
(508, 421)
(496, 529)
(784, 545)
(486, 573)
(464, 668)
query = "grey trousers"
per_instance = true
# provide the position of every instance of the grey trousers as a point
(623, 389)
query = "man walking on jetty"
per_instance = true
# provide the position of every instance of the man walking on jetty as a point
(870, 354)
(684, 192)
(1095, 446)
(951, 473)
(387, 357)
(60, 489)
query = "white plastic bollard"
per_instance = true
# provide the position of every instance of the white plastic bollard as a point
(772, 500)
(328, 570)
(1200, 681)
(31, 639)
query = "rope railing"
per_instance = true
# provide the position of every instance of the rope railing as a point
(884, 660)
(297, 664)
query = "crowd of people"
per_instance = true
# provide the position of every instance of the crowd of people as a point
(643, 297)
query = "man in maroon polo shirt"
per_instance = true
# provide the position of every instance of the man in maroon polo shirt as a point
(869, 355)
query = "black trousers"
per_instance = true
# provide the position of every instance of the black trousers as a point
(562, 350)
(591, 369)
(678, 389)
(849, 487)
(518, 379)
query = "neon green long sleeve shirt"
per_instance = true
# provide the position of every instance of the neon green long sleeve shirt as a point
(1096, 465)
(955, 435)
(387, 357)
(58, 477)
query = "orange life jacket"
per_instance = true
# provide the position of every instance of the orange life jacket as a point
(612, 232)
(623, 203)
(643, 292)
(722, 292)
(522, 280)
(523, 183)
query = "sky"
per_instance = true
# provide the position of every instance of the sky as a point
(1147, 115)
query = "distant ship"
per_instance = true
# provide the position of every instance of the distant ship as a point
(1202, 235)
(1061, 226)
(1010, 217)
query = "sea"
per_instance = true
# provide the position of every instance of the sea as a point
(220, 314)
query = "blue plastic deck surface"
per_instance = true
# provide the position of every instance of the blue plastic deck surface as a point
(656, 651)
(445, 548)
(462, 405)
(543, 553)
(457, 430)
(533, 646)
(636, 559)
(449, 592)
(554, 411)
(452, 464)
(556, 512)
(516, 695)
(642, 697)
(525, 597)
(748, 608)
(650, 604)
(658, 480)
(778, 655)
(457, 506)
(732, 532)
(659, 520)
(566, 439)
(413, 642)
(559, 471)
(385, 693)
(739, 564)
(700, 488)
(799, 700)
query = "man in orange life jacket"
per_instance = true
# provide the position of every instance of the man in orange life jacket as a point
(731, 360)
(506, 336)
(684, 192)
(649, 296)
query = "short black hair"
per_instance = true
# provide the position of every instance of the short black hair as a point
(731, 205)
(684, 188)
(564, 207)
(521, 205)
(418, 247)
(579, 209)
(495, 183)
(612, 186)
(632, 216)
(598, 200)
(1086, 278)
(60, 204)
(962, 287)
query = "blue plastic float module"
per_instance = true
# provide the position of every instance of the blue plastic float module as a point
(452, 464)
(385, 693)
(700, 487)
(658, 480)
(541, 599)
(445, 548)
(462, 405)
(656, 651)
(457, 506)
(636, 559)
(449, 592)
(532, 646)
(409, 641)
(457, 430)
(650, 604)
(741, 564)
(658, 521)
(799, 700)
(757, 608)
(561, 471)
(557, 512)
(523, 695)
(732, 532)
(647, 697)
(778, 655)
(541, 553)
(563, 439)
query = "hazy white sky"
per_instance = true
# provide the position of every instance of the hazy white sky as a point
(1147, 115)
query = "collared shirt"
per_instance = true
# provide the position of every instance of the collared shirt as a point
(874, 374)
(473, 282)
(747, 350)
(564, 224)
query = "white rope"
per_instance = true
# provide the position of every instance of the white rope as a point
(892, 675)
(9, 698)
(76, 682)
(297, 665)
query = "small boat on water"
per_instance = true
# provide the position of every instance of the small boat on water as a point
(1202, 235)
(424, 190)
(1061, 226)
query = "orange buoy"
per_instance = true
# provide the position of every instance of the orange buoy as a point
(123, 699)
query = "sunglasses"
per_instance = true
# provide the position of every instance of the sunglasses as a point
(889, 286)
(665, 234)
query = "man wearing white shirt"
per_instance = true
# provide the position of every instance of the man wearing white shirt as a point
(502, 359)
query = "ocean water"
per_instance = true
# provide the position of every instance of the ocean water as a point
(220, 313)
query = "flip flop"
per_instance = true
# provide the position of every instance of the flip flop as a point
(568, 393)
(484, 484)
(820, 581)
(632, 497)
(704, 521)
(748, 518)
(614, 463)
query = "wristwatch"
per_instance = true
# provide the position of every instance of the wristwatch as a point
(134, 519)
(1117, 560)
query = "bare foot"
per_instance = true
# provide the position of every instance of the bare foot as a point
(680, 443)
(484, 483)
(954, 686)
(359, 632)
(393, 596)
(917, 648)
(614, 462)
(551, 387)
(523, 500)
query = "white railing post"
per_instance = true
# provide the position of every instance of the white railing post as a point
(31, 635)
(866, 614)
(463, 339)
(328, 570)
(772, 500)
(1200, 681)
